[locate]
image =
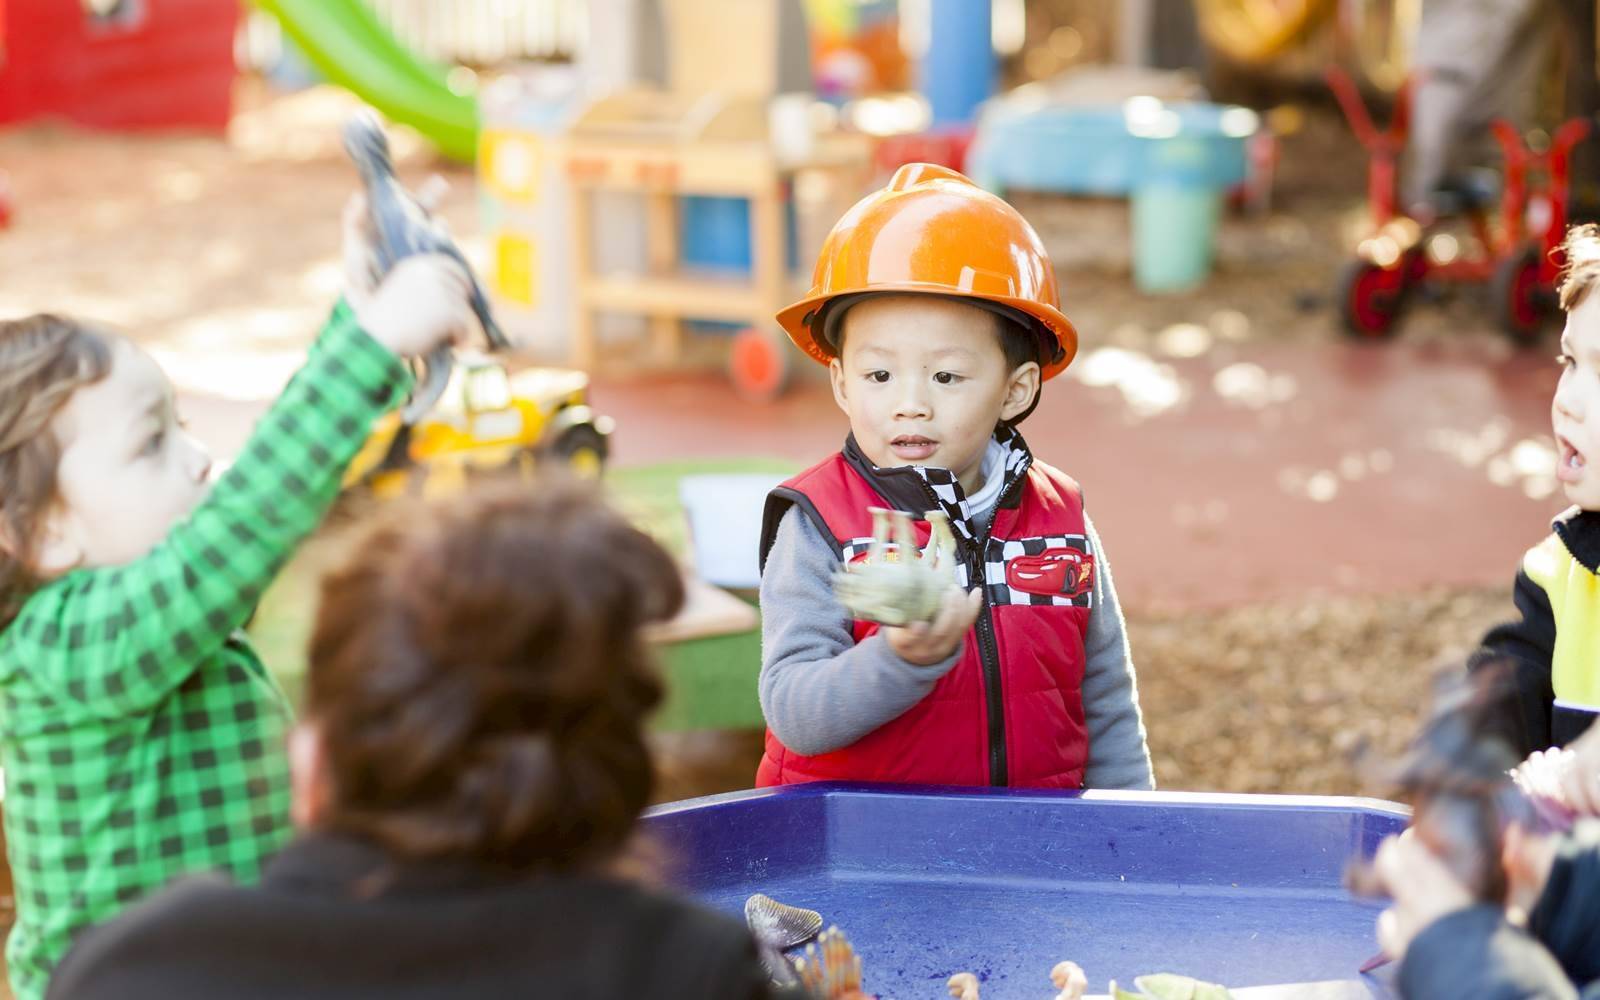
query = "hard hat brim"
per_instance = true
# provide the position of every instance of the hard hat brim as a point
(797, 320)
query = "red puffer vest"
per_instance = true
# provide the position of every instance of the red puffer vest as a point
(1011, 710)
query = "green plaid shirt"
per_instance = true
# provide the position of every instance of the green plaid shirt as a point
(140, 734)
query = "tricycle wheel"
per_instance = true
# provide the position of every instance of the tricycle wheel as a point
(1515, 295)
(758, 364)
(583, 449)
(1370, 299)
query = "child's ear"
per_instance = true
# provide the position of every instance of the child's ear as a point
(836, 377)
(59, 549)
(308, 776)
(1021, 390)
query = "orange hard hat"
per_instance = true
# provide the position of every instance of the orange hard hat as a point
(933, 231)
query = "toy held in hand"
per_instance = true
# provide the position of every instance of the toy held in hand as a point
(1166, 986)
(401, 227)
(777, 927)
(1069, 978)
(900, 585)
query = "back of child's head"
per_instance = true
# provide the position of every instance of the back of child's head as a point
(44, 359)
(1582, 271)
(479, 678)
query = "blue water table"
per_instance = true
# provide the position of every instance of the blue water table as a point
(1234, 889)
(1175, 161)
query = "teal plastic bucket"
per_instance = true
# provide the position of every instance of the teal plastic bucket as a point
(1174, 235)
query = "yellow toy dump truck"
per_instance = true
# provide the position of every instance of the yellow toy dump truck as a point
(489, 419)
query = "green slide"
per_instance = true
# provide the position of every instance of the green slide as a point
(352, 48)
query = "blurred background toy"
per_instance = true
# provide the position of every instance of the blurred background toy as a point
(490, 420)
(719, 131)
(1512, 243)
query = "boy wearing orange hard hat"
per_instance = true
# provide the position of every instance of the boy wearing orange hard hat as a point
(936, 311)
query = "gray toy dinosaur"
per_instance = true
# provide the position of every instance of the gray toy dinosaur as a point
(403, 227)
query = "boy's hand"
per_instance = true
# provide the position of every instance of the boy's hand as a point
(926, 643)
(1580, 775)
(1569, 777)
(1423, 889)
(421, 304)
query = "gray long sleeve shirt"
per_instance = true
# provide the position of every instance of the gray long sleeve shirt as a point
(822, 691)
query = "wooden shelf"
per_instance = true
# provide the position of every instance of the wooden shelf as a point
(705, 298)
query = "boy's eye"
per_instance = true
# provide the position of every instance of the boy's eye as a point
(946, 378)
(153, 443)
(878, 376)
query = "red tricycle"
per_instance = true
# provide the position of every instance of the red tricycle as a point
(1519, 259)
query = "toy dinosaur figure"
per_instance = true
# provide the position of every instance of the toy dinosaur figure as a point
(1069, 978)
(899, 585)
(402, 227)
(777, 927)
(1459, 777)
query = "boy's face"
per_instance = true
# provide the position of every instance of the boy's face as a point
(924, 381)
(128, 472)
(1575, 411)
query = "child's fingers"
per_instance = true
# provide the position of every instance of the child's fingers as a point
(1580, 788)
(955, 617)
(1390, 940)
(1387, 862)
(455, 277)
(963, 608)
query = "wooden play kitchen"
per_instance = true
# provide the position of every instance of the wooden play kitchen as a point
(715, 131)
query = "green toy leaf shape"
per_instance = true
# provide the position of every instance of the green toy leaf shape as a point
(1166, 986)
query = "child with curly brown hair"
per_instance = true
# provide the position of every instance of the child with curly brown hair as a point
(140, 734)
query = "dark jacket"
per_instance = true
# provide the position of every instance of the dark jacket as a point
(334, 919)
(1476, 953)
(1551, 683)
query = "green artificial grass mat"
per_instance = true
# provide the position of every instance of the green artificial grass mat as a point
(711, 682)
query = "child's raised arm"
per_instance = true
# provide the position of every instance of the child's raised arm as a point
(119, 639)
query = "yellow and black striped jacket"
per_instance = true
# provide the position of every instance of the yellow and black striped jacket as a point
(1552, 653)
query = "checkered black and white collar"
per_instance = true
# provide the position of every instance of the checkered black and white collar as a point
(909, 487)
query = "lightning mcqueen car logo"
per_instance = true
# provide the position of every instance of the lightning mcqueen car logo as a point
(1060, 572)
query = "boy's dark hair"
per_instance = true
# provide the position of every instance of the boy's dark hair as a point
(1020, 335)
(1582, 271)
(44, 359)
(480, 678)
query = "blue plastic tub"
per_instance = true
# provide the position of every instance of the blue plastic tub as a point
(1242, 890)
(1174, 235)
(1173, 160)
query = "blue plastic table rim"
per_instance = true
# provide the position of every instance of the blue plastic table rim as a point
(1251, 800)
